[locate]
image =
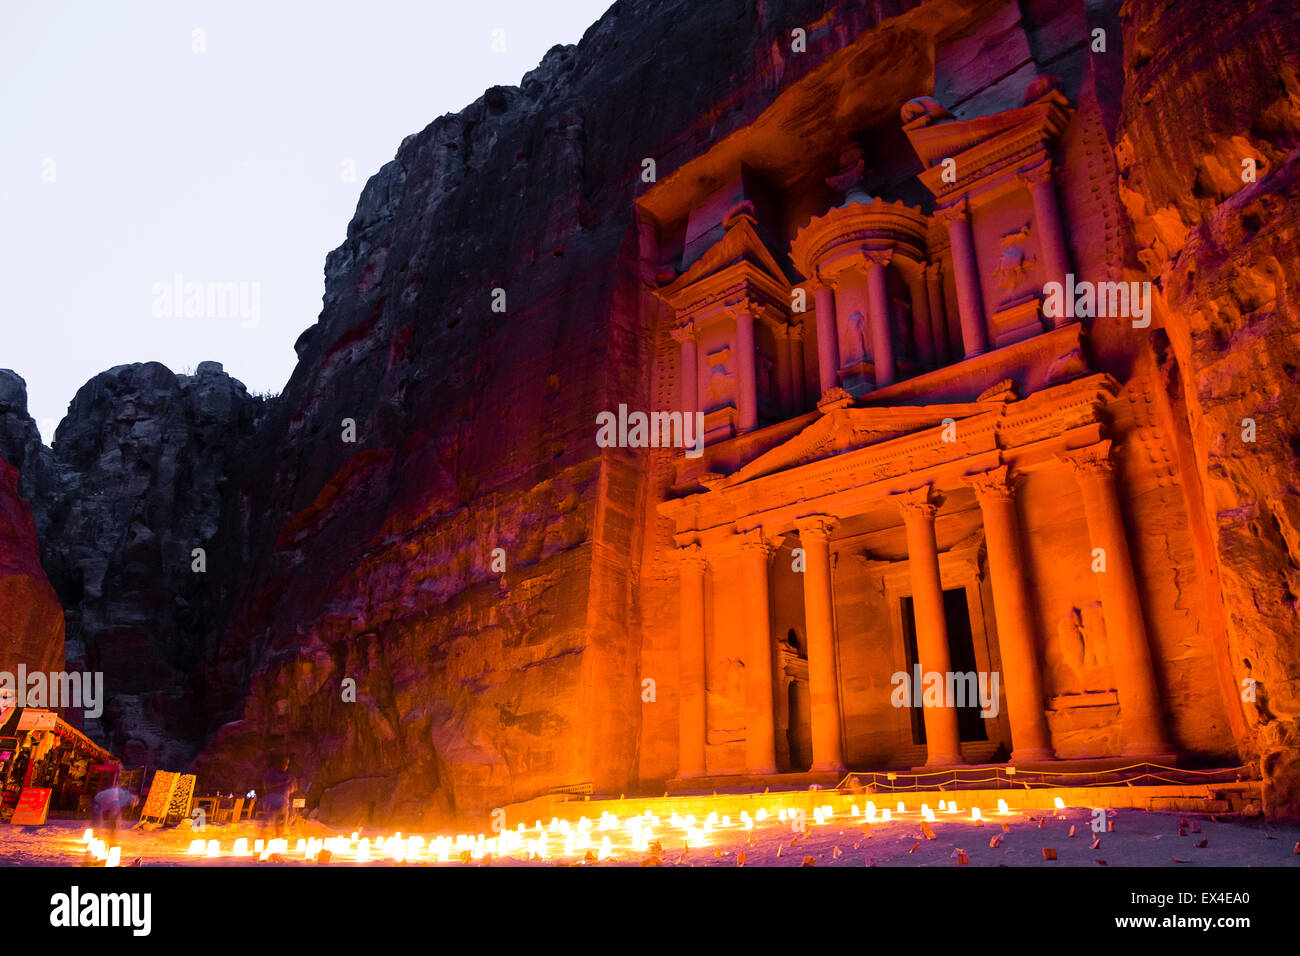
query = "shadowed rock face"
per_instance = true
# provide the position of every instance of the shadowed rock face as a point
(139, 478)
(31, 622)
(1206, 87)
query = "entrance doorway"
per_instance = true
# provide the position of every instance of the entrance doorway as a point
(961, 651)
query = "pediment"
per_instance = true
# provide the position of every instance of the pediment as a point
(740, 253)
(848, 429)
(949, 139)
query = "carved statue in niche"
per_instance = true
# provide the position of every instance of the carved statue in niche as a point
(902, 320)
(726, 700)
(764, 372)
(861, 335)
(1015, 265)
(719, 390)
(1077, 657)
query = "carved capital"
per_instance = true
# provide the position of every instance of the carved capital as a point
(816, 527)
(958, 211)
(934, 271)
(996, 484)
(1093, 461)
(692, 559)
(919, 504)
(686, 332)
(877, 257)
(1036, 175)
(796, 332)
(780, 332)
(754, 542)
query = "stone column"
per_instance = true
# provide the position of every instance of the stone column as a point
(760, 722)
(970, 300)
(1017, 639)
(882, 339)
(938, 313)
(693, 719)
(796, 367)
(828, 339)
(1126, 636)
(921, 331)
(1047, 218)
(747, 366)
(815, 539)
(687, 337)
(943, 739)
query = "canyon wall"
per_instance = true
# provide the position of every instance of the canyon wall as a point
(1209, 173)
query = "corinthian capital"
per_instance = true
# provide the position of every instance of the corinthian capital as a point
(1036, 175)
(686, 332)
(958, 211)
(919, 503)
(1091, 461)
(691, 557)
(996, 484)
(877, 257)
(816, 526)
(754, 541)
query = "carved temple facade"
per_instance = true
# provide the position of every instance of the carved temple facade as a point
(909, 465)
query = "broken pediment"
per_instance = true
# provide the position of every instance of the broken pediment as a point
(980, 145)
(738, 258)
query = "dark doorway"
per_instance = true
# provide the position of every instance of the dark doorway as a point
(961, 651)
(798, 732)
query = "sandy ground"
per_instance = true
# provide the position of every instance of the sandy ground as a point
(1139, 838)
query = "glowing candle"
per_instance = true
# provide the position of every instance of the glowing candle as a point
(885, 814)
(1060, 804)
(900, 807)
(241, 847)
(88, 836)
(975, 813)
(214, 849)
(114, 856)
(197, 847)
(1002, 806)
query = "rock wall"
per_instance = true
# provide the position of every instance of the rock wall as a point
(136, 481)
(1206, 88)
(31, 620)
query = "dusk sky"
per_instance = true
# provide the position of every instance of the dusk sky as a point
(219, 142)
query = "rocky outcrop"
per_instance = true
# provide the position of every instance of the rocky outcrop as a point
(21, 447)
(139, 479)
(31, 621)
(1210, 178)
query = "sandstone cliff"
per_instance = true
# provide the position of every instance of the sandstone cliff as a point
(1208, 92)
(31, 621)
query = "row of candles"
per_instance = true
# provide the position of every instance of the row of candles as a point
(586, 839)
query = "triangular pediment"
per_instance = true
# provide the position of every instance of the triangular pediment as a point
(740, 252)
(848, 429)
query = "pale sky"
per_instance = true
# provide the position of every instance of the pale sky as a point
(128, 158)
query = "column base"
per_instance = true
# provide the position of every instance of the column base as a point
(829, 767)
(1150, 753)
(759, 771)
(1024, 756)
(945, 760)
